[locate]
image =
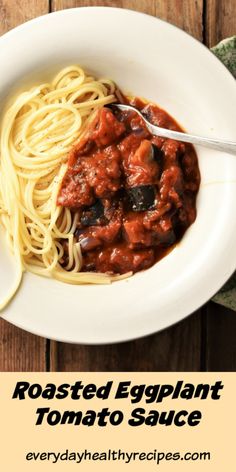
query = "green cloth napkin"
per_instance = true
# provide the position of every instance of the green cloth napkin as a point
(226, 52)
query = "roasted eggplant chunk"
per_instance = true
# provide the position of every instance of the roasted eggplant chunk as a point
(158, 155)
(93, 215)
(142, 197)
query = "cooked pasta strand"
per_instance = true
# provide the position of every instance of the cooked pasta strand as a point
(37, 132)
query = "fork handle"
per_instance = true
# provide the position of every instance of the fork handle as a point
(218, 144)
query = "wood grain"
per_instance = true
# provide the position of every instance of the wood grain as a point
(15, 12)
(20, 351)
(146, 6)
(221, 339)
(174, 349)
(220, 20)
(187, 14)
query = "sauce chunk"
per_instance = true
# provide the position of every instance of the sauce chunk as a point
(135, 193)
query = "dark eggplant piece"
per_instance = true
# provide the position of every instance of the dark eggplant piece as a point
(168, 238)
(94, 215)
(88, 243)
(142, 197)
(158, 155)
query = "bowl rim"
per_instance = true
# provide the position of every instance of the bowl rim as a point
(66, 11)
(26, 26)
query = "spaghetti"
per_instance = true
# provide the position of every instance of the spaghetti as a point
(87, 193)
(37, 132)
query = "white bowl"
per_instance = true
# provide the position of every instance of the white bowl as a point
(156, 60)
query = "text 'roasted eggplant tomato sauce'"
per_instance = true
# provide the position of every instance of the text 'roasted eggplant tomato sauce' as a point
(134, 193)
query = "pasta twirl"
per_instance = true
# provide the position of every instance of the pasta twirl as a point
(38, 131)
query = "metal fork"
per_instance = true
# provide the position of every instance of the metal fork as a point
(218, 144)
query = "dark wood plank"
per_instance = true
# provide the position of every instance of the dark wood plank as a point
(220, 20)
(175, 349)
(221, 339)
(20, 351)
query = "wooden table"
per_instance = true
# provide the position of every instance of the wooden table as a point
(205, 340)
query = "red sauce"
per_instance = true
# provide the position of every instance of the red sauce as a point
(135, 193)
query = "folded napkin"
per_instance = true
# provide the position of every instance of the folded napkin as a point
(226, 52)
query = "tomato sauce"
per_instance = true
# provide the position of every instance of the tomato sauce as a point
(135, 193)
